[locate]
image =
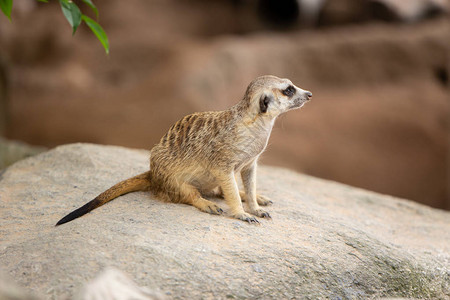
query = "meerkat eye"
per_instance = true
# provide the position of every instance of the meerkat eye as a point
(289, 91)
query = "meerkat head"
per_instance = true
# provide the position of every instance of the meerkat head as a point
(271, 96)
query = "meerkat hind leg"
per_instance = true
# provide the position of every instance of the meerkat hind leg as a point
(190, 195)
(216, 193)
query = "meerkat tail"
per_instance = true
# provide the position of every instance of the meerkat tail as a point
(140, 182)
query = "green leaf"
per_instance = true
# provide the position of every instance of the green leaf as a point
(91, 5)
(72, 13)
(45, 1)
(98, 31)
(6, 6)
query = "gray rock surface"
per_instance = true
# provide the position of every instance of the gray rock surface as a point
(12, 151)
(326, 240)
(113, 284)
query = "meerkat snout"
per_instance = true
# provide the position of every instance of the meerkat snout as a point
(304, 95)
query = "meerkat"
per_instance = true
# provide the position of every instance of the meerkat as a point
(201, 154)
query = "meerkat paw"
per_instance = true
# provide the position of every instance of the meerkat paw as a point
(246, 217)
(263, 201)
(213, 209)
(208, 207)
(261, 213)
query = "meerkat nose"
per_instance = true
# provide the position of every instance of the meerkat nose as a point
(309, 94)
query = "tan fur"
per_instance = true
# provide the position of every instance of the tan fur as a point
(201, 153)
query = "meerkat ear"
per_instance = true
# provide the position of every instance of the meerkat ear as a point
(264, 103)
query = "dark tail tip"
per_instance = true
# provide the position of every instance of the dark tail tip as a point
(77, 213)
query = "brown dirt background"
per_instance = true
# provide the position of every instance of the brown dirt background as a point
(379, 118)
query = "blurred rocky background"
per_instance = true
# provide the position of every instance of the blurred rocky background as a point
(378, 70)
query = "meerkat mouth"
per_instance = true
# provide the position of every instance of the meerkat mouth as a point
(298, 103)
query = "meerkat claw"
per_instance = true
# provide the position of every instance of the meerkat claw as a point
(215, 210)
(252, 220)
(262, 214)
(247, 218)
(263, 201)
(265, 215)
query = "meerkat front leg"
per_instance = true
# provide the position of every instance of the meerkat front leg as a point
(260, 199)
(248, 175)
(231, 194)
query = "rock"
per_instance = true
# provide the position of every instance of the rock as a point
(407, 10)
(338, 12)
(113, 284)
(109, 284)
(4, 116)
(11, 291)
(12, 151)
(326, 240)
